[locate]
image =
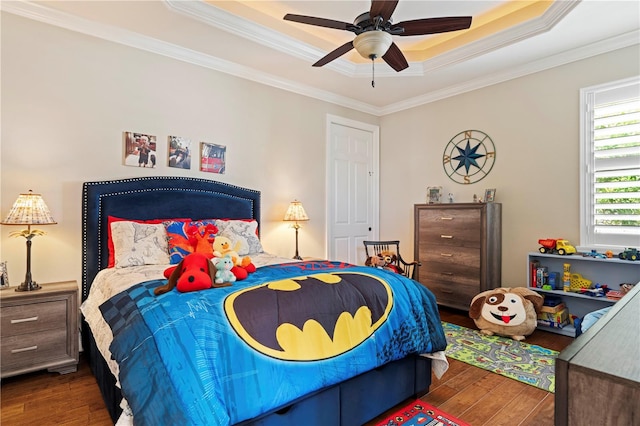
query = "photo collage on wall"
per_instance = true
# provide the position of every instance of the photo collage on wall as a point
(140, 150)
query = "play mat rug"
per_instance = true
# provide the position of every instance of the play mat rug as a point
(419, 413)
(523, 362)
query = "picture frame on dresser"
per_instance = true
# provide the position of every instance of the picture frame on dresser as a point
(489, 195)
(4, 275)
(434, 194)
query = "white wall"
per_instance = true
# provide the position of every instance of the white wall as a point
(67, 98)
(534, 124)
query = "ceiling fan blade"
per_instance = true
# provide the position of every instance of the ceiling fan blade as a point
(320, 22)
(335, 54)
(395, 58)
(433, 25)
(382, 8)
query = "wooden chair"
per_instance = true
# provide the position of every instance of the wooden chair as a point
(373, 248)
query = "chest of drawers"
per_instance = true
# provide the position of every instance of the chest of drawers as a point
(459, 249)
(39, 329)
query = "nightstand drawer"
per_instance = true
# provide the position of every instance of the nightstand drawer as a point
(26, 350)
(32, 317)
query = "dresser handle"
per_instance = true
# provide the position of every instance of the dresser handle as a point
(447, 291)
(446, 254)
(446, 218)
(30, 348)
(447, 236)
(446, 273)
(18, 321)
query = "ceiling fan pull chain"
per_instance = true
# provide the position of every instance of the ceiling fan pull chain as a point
(373, 74)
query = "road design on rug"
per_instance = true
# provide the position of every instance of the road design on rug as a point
(530, 364)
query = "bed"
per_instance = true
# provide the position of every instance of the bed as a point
(140, 361)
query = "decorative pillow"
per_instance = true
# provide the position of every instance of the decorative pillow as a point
(185, 237)
(139, 244)
(110, 220)
(243, 231)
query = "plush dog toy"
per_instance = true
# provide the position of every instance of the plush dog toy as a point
(374, 262)
(389, 259)
(194, 272)
(510, 312)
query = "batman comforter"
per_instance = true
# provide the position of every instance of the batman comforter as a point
(220, 356)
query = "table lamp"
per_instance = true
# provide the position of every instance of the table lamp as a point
(295, 213)
(29, 209)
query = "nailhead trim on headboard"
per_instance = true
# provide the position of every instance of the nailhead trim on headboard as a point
(92, 194)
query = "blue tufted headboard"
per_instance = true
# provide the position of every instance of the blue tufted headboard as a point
(162, 197)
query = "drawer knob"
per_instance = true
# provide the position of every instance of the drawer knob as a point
(29, 348)
(447, 236)
(18, 321)
(446, 218)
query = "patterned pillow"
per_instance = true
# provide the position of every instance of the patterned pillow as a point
(243, 231)
(110, 220)
(185, 237)
(139, 244)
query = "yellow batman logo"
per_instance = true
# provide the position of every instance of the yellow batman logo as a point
(311, 317)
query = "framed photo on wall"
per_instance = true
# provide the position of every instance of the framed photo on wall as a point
(434, 194)
(212, 158)
(139, 150)
(489, 195)
(179, 152)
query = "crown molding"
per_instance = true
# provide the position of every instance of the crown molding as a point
(563, 58)
(221, 19)
(117, 35)
(128, 38)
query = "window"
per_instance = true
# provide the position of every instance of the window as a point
(610, 165)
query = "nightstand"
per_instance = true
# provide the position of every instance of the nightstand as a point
(39, 329)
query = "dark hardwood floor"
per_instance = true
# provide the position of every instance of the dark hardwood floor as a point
(469, 393)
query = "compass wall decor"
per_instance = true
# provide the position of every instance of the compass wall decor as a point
(469, 156)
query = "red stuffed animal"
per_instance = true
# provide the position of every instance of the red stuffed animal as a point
(194, 272)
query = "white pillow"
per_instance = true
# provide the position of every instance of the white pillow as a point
(139, 244)
(241, 231)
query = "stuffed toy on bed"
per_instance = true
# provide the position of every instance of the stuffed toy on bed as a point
(510, 312)
(194, 272)
(243, 266)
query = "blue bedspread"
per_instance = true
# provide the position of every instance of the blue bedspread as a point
(220, 356)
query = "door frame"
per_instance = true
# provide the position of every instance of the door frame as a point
(375, 174)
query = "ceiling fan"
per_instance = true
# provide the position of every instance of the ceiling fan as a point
(374, 29)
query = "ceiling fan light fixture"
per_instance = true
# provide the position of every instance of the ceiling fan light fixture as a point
(372, 44)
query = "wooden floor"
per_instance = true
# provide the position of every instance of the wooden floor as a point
(469, 393)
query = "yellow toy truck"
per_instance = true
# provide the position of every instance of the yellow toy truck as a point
(556, 246)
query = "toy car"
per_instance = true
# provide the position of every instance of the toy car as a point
(629, 254)
(559, 246)
(595, 255)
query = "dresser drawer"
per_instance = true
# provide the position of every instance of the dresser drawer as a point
(436, 256)
(451, 227)
(26, 350)
(454, 295)
(32, 317)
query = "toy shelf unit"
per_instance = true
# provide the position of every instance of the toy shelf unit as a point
(609, 272)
